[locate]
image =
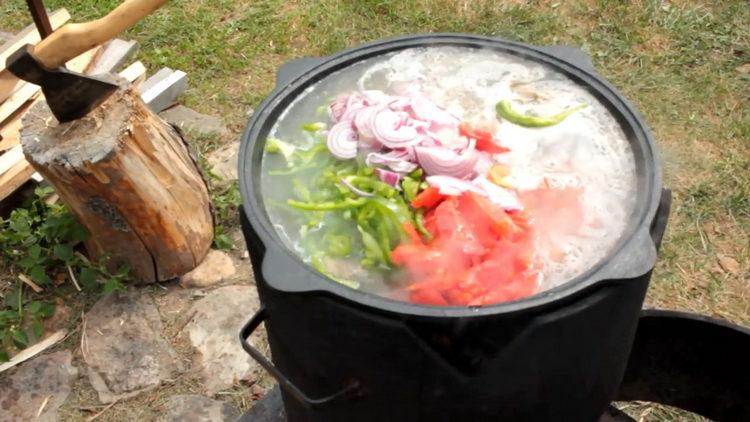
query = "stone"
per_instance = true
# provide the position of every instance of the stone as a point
(194, 408)
(193, 122)
(224, 161)
(213, 330)
(216, 267)
(123, 347)
(729, 264)
(37, 388)
(268, 409)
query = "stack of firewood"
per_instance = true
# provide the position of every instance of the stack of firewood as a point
(17, 97)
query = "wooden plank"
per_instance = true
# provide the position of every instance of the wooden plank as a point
(10, 133)
(10, 158)
(165, 93)
(29, 35)
(34, 350)
(17, 100)
(133, 72)
(157, 77)
(15, 178)
(112, 56)
(24, 94)
(9, 84)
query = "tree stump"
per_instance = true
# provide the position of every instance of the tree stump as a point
(130, 179)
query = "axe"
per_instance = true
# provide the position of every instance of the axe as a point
(72, 95)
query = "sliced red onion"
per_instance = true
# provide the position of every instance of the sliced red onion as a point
(440, 161)
(389, 130)
(424, 109)
(337, 108)
(395, 160)
(448, 136)
(354, 104)
(452, 186)
(342, 140)
(390, 177)
(399, 103)
(375, 97)
(355, 189)
(483, 164)
(500, 196)
(364, 121)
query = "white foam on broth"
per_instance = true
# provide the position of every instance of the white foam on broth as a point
(587, 151)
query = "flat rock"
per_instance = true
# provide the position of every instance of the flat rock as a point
(268, 409)
(224, 161)
(191, 121)
(37, 388)
(124, 349)
(216, 267)
(194, 408)
(213, 330)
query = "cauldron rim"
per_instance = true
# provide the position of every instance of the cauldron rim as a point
(633, 255)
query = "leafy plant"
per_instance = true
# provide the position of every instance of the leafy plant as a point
(226, 201)
(43, 241)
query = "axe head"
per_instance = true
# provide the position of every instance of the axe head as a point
(70, 95)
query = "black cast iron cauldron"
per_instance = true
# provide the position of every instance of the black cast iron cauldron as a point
(344, 355)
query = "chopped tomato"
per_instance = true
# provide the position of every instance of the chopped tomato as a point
(479, 255)
(485, 140)
(485, 215)
(428, 198)
(556, 214)
(412, 233)
(428, 297)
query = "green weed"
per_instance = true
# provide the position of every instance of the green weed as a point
(44, 242)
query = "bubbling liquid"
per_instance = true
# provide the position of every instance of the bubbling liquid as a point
(587, 155)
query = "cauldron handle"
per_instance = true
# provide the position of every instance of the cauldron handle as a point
(350, 390)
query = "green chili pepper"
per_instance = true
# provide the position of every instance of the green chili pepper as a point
(505, 110)
(327, 206)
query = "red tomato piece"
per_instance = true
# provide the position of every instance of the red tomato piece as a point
(428, 198)
(414, 236)
(485, 140)
(428, 297)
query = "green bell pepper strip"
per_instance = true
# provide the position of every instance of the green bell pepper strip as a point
(419, 225)
(317, 263)
(337, 245)
(504, 109)
(327, 206)
(372, 251)
(410, 188)
(314, 127)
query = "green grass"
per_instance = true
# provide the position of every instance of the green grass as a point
(677, 61)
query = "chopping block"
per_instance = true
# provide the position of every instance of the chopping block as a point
(124, 173)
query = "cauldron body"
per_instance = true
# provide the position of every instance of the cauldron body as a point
(344, 355)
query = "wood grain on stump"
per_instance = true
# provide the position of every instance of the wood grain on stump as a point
(130, 179)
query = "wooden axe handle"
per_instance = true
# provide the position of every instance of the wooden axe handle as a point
(76, 38)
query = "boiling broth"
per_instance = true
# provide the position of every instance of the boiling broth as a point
(586, 155)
